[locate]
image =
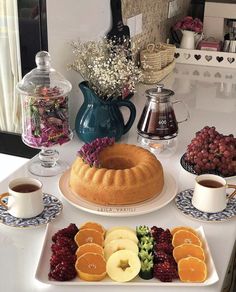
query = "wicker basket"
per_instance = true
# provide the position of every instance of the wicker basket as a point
(150, 58)
(152, 77)
(157, 61)
(156, 56)
(169, 51)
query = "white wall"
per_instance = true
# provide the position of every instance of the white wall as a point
(69, 20)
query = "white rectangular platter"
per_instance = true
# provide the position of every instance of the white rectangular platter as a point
(44, 266)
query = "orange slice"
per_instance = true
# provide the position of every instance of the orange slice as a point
(177, 228)
(89, 247)
(93, 225)
(188, 249)
(91, 267)
(192, 269)
(185, 236)
(89, 236)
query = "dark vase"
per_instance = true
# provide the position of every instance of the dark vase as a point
(99, 118)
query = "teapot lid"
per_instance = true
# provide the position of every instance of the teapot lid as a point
(159, 91)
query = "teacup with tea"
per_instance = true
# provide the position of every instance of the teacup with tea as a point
(25, 197)
(210, 193)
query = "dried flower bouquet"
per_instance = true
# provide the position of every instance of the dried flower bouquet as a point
(106, 66)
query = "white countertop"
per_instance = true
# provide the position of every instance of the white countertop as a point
(11, 163)
(211, 101)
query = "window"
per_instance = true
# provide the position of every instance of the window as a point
(23, 32)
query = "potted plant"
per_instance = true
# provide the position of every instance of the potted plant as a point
(190, 28)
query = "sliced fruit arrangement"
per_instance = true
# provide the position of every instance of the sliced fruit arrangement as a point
(93, 225)
(121, 253)
(62, 261)
(178, 228)
(89, 247)
(123, 265)
(165, 267)
(192, 269)
(185, 236)
(119, 228)
(119, 234)
(119, 244)
(89, 235)
(189, 255)
(188, 249)
(90, 264)
(145, 252)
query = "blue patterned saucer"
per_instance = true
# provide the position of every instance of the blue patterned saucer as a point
(183, 201)
(52, 208)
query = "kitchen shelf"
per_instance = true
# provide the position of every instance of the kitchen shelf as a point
(206, 58)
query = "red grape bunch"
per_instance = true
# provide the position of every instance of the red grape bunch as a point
(210, 151)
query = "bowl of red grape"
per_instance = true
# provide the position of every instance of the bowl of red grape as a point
(210, 152)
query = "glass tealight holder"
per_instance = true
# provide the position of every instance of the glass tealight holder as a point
(45, 118)
(157, 146)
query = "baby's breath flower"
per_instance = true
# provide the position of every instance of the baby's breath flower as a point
(107, 67)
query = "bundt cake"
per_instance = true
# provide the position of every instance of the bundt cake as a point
(128, 174)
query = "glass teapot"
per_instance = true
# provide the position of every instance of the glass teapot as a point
(158, 126)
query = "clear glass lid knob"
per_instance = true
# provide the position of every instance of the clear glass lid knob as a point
(43, 60)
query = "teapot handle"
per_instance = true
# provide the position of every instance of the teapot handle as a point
(132, 116)
(187, 111)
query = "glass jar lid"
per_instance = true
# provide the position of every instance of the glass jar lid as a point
(159, 92)
(44, 80)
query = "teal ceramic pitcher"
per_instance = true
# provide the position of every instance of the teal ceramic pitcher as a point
(98, 118)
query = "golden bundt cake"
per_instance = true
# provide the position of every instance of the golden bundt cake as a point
(128, 174)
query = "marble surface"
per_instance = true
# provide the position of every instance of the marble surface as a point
(211, 101)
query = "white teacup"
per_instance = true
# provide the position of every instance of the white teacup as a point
(25, 197)
(210, 193)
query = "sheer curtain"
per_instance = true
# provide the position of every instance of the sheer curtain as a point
(10, 67)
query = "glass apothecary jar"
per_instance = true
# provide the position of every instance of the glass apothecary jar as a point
(45, 114)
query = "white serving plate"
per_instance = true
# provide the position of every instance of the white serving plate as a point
(43, 268)
(167, 195)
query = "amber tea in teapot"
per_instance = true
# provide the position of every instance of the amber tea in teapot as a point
(161, 124)
(158, 126)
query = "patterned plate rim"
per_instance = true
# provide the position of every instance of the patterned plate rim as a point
(189, 215)
(34, 221)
